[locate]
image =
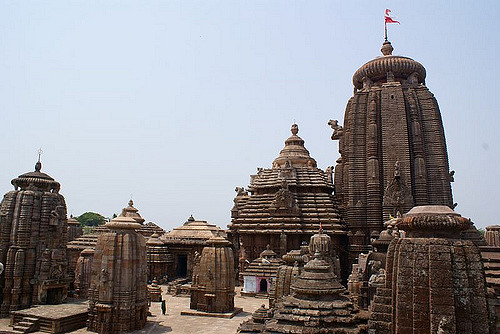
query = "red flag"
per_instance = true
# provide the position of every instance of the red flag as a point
(388, 18)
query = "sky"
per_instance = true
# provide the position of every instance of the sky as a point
(175, 103)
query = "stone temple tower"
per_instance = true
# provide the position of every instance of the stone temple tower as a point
(33, 233)
(392, 146)
(118, 287)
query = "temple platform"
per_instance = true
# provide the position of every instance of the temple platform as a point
(227, 315)
(61, 318)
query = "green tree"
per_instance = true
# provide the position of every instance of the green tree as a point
(91, 219)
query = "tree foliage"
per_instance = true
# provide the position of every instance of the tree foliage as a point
(91, 219)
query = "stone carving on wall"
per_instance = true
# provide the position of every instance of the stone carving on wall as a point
(397, 194)
(284, 201)
(337, 129)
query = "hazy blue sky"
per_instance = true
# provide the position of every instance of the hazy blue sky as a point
(178, 102)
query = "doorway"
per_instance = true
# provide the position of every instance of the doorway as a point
(54, 296)
(181, 265)
(263, 286)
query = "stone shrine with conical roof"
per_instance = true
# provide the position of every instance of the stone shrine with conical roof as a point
(285, 205)
(33, 237)
(392, 147)
(118, 287)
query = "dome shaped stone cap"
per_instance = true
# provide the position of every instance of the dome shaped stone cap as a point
(154, 240)
(320, 243)
(294, 152)
(432, 217)
(377, 69)
(317, 278)
(268, 252)
(36, 178)
(131, 211)
(123, 223)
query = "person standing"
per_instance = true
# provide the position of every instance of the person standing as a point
(163, 307)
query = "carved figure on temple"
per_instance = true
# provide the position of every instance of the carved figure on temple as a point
(336, 127)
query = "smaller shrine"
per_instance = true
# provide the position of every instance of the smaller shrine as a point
(33, 239)
(433, 281)
(74, 229)
(212, 291)
(370, 268)
(318, 302)
(260, 274)
(184, 241)
(83, 272)
(288, 272)
(256, 323)
(118, 290)
(155, 292)
(160, 261)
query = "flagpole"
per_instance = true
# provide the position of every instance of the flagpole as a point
(385, 30)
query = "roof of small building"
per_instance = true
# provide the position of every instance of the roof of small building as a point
(266, 265)
(192, 231)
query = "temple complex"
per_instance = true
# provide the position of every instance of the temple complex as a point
(212, 290)
(187, 239)
(434, 281)
(118, 290)
(285, 205)
(33, 236)
(392, 147)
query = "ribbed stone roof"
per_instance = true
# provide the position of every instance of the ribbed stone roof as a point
(192, 231)
(377, 69)
(36, 180)
(293, 196)
(132, 212)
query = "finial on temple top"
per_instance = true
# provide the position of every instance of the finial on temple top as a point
(295, 129)
(38, 165)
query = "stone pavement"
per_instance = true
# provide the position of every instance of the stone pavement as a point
(174, 323)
